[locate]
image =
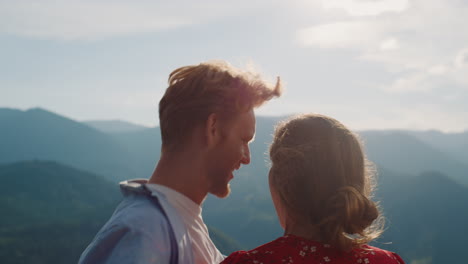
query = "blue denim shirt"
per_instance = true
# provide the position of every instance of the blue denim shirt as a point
(138, 232)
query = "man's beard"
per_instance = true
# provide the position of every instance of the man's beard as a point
(221, 189)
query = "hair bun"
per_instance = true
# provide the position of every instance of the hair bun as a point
(352, 210)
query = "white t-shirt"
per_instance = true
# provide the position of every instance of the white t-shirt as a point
(204, 251)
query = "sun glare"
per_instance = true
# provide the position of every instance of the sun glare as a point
(367, 7)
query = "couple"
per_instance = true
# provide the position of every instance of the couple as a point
(319, 181)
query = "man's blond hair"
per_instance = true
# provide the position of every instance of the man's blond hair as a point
(196, 91)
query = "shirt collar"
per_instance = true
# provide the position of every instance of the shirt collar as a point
(176, 199)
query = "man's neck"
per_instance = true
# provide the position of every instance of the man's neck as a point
(182, 172)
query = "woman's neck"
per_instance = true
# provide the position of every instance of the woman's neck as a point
(306, 231)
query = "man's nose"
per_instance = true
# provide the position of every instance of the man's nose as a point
(246, 156)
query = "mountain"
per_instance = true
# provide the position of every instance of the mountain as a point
(114, 126)
(401, 152)
(454, 144)
(426, 216)
(419, 180)
(55, 189)
(40, 134)
(50, 212)
(144, 147)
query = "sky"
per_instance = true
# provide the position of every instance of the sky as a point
(372, 64)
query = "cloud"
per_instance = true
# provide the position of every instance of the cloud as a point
(416, 117)
(367, 7)
(459, 71)
(413, 83)
(424, 52)
(440, 69)
(343, 34)
(420, 37)
(70, 20)
(369, 36)
(432, 77)
(461, 60)
(100, 19)
(389, 44)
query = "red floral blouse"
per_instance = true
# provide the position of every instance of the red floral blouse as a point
(294, 249)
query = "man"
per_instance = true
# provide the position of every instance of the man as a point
(206, 121)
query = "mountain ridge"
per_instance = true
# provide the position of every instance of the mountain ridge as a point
(51, 212)
(40, 134)
(114, 126)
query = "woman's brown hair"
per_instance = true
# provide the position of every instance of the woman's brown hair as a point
(322, 176)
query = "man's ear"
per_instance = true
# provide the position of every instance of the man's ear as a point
(212, 129)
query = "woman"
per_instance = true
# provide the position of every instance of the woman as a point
(320, 183)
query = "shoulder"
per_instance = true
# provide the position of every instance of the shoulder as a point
(383, 256)
(136, 233)
(138, 213)
(136, 218)
(266, 252)
(237, 257)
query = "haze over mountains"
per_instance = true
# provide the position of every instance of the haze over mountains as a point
(422, 182)
(39, 134)
(404, 152)
(114, 126)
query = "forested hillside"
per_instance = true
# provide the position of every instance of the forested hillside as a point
(53, 208)
(50, 212)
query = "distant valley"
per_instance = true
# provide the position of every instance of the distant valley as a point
(57, 172)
